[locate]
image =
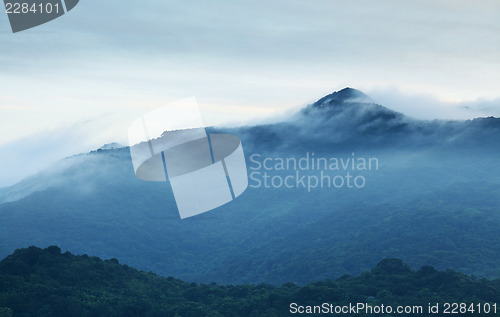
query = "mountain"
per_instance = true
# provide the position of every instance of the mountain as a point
(350, 120)
(429, 195)
(351, 103)
(46, 282)
(111, 146)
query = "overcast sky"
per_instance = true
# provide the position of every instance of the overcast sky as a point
(77, 82)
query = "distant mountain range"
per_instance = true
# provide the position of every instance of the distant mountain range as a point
(434, 199)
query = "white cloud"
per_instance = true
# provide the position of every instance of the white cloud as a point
(33, 153)
(427, 106)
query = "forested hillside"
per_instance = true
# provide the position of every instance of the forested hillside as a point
(46, 282)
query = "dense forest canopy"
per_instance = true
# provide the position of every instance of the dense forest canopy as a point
(46, 282)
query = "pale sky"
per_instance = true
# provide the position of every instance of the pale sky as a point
(77, 82)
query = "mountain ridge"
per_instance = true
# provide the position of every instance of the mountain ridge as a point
(47, 282)
(435, 179)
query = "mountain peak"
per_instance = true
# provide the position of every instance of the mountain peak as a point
(345, 96)
(350, 105)
(111, 146)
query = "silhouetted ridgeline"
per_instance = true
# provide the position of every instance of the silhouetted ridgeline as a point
(36, 282)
